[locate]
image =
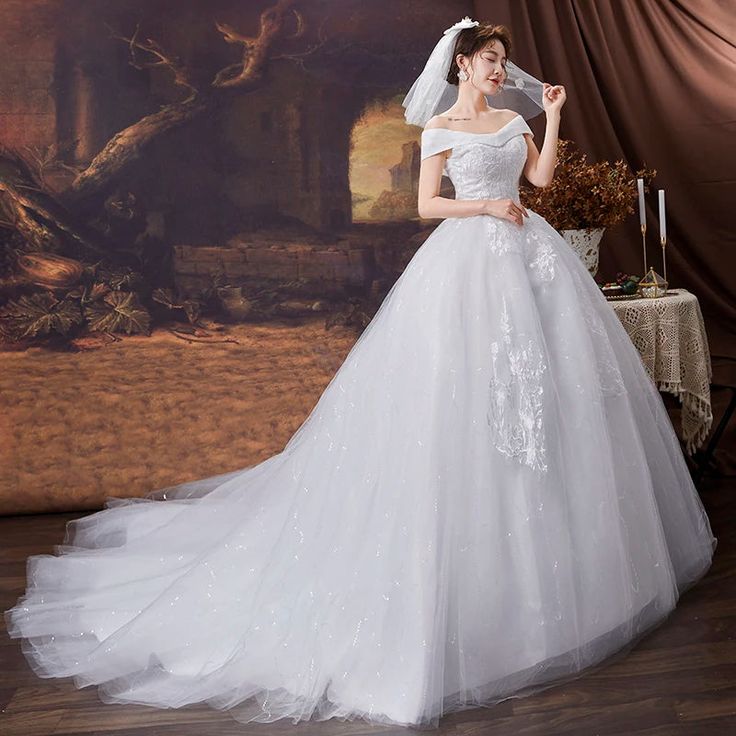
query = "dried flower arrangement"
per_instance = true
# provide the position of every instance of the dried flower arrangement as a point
(584, 195)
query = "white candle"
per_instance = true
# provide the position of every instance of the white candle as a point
(642, 208)
(662, 223)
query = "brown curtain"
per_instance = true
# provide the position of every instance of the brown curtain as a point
(652, 82)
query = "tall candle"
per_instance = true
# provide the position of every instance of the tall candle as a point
(662, 223)
(642, 208)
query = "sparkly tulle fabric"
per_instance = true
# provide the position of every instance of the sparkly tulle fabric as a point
(487, 499)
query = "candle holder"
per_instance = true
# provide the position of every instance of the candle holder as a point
(663, 243)
(652, 285)
(644, 245)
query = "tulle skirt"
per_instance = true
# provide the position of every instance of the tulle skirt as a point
(487, 499)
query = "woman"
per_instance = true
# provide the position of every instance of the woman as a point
(487, 499)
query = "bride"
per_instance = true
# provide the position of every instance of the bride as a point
(488, 498)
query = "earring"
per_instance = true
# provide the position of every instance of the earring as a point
(463, 75)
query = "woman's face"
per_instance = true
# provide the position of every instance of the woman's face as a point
(489, 68)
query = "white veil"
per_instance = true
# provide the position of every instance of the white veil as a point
(431, 92)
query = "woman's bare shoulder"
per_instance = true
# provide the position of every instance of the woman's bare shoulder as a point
(434, 123)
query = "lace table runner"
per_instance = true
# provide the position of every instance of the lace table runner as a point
(669, 333)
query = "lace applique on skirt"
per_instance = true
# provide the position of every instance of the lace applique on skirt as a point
(516, 398)
(542, 263)
(498, 245)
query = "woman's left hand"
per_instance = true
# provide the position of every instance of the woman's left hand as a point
(553, 97)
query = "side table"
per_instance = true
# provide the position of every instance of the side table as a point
(669, 334)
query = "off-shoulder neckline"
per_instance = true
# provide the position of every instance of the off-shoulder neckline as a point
(471, 132)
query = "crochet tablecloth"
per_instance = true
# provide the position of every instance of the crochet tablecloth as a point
(669, 334)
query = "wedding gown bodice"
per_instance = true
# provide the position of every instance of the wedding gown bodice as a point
(481, 165)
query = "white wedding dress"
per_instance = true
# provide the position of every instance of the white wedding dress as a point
(487, 499)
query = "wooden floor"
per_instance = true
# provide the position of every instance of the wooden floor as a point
(680, 679)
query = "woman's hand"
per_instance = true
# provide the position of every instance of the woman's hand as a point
(553, 98)
(506, 209)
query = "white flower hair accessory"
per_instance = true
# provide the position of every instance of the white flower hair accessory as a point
(431, 93)
(466, 22)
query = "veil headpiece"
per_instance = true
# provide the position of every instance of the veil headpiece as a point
(431, 92)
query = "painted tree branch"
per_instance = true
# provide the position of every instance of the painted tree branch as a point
(46, 222)
(248, 72)
(127, 145)
(299, 56)
(160, 58)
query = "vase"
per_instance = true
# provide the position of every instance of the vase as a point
(586, 243)
(233, 302)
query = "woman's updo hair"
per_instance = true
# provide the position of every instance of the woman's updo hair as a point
(470, 40)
